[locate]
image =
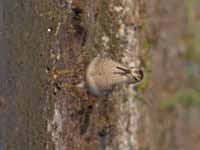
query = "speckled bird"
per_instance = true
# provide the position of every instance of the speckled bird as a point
(103, 74)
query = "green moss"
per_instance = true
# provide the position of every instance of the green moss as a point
(169, 103)
(146, 44)
(145, 63)
(191, 69)
(190, 11)
(187, 97)
(145, 82)
(193, 75)
(143, 148)
(193, 52)
(190, 97)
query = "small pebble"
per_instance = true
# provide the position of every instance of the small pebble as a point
(49, 29)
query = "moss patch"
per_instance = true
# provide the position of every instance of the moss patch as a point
(193, 52)
(187, 97)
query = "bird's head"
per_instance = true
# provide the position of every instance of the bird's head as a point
(137, 74)
(133, 74)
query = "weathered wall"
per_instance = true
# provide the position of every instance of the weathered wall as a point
(24, 46)
(82, 121)
(47, 47)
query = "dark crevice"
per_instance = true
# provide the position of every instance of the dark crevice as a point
(80, 31)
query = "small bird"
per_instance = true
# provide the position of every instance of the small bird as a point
(103, 74)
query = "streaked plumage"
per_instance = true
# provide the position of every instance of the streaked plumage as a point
(103, 74)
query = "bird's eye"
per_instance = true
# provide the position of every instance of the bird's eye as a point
(136, 79)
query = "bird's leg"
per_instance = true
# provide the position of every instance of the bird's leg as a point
(68, 85)
(64, 71)
(57, 73)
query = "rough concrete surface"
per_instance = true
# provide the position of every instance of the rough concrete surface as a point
(45, 47)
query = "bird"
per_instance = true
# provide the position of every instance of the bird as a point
(104, 73)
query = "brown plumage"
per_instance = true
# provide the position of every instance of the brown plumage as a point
(104, 73)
